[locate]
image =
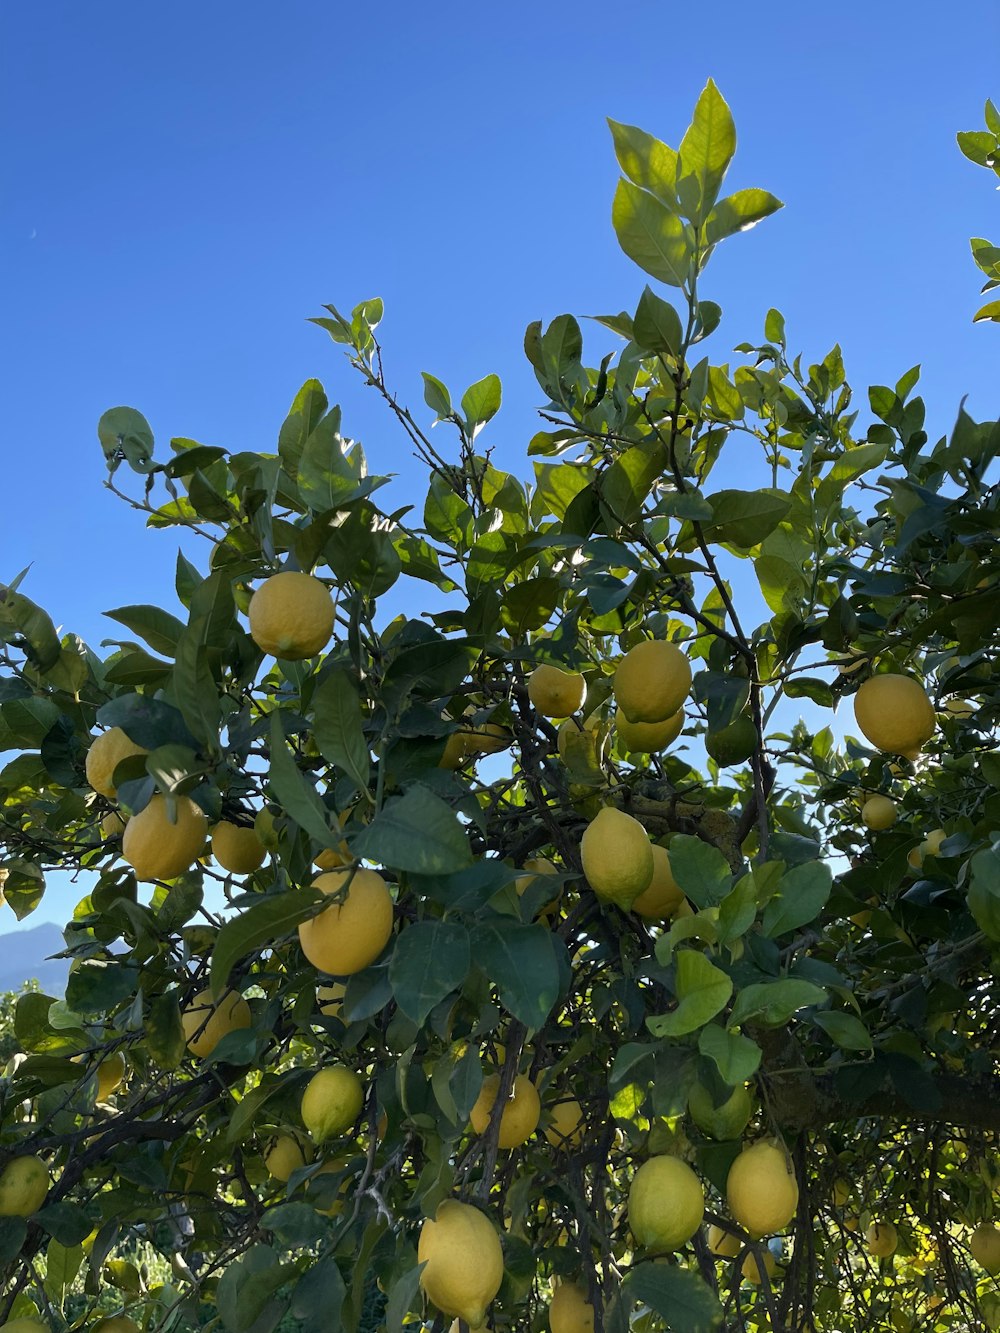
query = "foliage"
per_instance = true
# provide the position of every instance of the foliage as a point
(850, 982)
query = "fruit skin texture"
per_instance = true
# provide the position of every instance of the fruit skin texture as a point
(112, 825)
(105, 754)
(24, 1326)
(331, 1102)
(566, 1129)
(556, 693)
(894, 713)
(331, 998)
(761, 1189)
(24, 1183)
(237, 849)
(665, 1204)
(878, 813)
(723, 1244)
(984, 1243)
(291, 616)
(751, 1268)
(230, 1013)
(617, 857)
(464, 1261)
(733, 744)
(570, 1311)
(110, 1073)
(157, 848)
(727, 1121)
(519, 1118)
(664, 896)
(284, 1156)
(882, 1239)
(648, 737)
(347, 936)
(652, 681)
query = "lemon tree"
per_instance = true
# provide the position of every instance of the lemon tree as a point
(569, 900)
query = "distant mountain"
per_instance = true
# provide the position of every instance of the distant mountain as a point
(24, 954)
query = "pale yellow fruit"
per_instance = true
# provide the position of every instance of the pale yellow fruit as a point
(652, 681)
(751, 1268)
(336, 1205)
(932, 843)
(265, 826)
(206, 1023)
(469, 742)
(666, 1204)
(841, 1192)
(878, 813)
(110, 1073)
(24, 1326)
(537, 870)
(24, 1183)
(915, 857)
(984, 1245)
(345, 937)
(727, 1121)
(237, 849)
(518, 1119)
(332, 1102)
(113, 824)
(463, 1261)
(291, 616)
(761, 1189)
(158, 847)
(648, 737)
(566, 1128)
(570, 1311)
(663, 897)
(882, 1239)
(116, 1323)
(894, 713)
(617, 857)
(285, 1155)
(105, 754)
(850, 1223)
(556, 693)
(723, 1244)
(331, 998)
(960, 708)
(331, 858)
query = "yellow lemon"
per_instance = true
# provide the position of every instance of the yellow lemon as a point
(932, 843)
(463, 1261)
(331, 1102)
(648, 737)
(727, 1121)
(331, 998)
(110, 1073)
(336, 1204)
(24, 1183)
(761, 1189)
(723, 1244)
(518, 1119)
(237, 849)
(566, 1127)
(159, 847)
(265, 826)
(286, 1155)
(878, 813)
(894, 713)
(984, 1245)
(556, 693)
(345, 937)
(570, 1311)
(652, 681)
(663, 897)
(617, 857)
(751, 1267)
(666, 1204)
(470, 741)
(113, 824)
(882, 1239)
(841, 1192)
(206, 1023)
(105, 754)
(291, 616)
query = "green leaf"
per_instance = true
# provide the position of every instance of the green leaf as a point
(294, 792)
(646, 161)
(702, 991)
(809, 687)
(848, 1031)
(989, 311)
(416, 832)
(62, 1263)
(429, 960)
(626, 484)
(176, 768)
(158, 628)
(338, 726)
(295, 1224)
(436, 396)
(481, 402)
(67, 1223)
(306, 411)
(651, 234)
(700, 869)
(707, 148)
(23, 622)
(799, 898)
(984, 891)
(125, 429)
(774, 1002)
(402, 1298)
(194, 689)
(99, 988)
(739, 212)
(164, 1034)
(745, 518)
(13, 1232)
(521, 960)
(657, 325)
(680, 1298)
(782, 585)
(262, 924)
(979, 146)
(319, 1297)
(736, 1057)
(148, 722)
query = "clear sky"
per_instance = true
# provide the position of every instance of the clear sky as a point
(183, 184)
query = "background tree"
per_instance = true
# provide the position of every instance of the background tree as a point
(735, 955)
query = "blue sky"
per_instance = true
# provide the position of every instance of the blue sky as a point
(183, 184)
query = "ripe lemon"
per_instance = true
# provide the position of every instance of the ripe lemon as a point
(113, 824)
(751, 1268)
(582, 748)
(733, 744)
(291, 616)
(110, 1073)
(206, 1023)
(286, 1155)
(932, 843)
(158, 847)
(537, 870)
(841, 1192)
(336, 1204)
(727, 1121)
(566, 1127)
(723, 1244)
(617, 857)
(463, 1261)
(663, 897)
(105, 754)
(347, 936)
(882, 1239)
(265, 826)
(666, 1204)
(648, 737)
(761, 1189)
(330, 858)
(878, 813)
(331, 998)
(331, 1102)
(237, 849)
(24, 1183)
(570, 1311)
(894, 713)
(519, 1118)
(556, 693)
(984, 1245)
(471, 741)
(652, 681)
